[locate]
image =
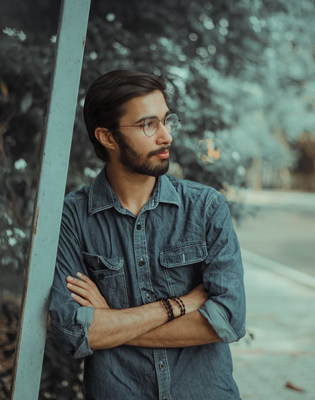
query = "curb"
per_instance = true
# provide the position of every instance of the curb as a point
(277, 268)
(280, 198)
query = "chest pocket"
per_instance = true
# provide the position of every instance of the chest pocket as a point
(109, 276)
(182, 266)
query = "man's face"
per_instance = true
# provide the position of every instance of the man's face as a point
(138, 153)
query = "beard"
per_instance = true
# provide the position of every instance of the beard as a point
(134, 162)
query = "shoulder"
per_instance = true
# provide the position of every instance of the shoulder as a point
(197, 192)
(78, 194)
(76, 198)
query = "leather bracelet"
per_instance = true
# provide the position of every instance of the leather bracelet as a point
(180, 304)
(168, 307)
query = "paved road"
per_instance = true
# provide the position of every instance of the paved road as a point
(283, 233)
(280, 315)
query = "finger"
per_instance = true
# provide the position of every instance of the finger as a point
(96, 303)
(81, 301)
(86, 279)
(77, 282)
(91, 297)
(78, 290)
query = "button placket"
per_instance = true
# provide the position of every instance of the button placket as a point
(163, 373)
(141, 262)
(142, 259)
(139, 249)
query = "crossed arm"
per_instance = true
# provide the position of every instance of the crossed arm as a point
(144, 326)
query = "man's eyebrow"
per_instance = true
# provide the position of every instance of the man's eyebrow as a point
(151, 116)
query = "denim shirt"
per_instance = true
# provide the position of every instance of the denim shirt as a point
(183, 236)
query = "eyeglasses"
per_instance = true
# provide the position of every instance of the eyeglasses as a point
(151, 125)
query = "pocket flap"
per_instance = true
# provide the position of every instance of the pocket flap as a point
(97, 262)
(186, 254)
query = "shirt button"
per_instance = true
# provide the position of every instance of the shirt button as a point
(164, 398)
(101, 276)
(148, 297)
(141, 263)
(162, 366)
(139, 227)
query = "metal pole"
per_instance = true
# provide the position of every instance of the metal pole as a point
(49, 199)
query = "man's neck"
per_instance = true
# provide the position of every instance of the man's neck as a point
(133, 190)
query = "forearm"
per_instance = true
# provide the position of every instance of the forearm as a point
(111, 328)
(191, 329)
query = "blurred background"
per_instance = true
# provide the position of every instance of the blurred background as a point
(241, 76)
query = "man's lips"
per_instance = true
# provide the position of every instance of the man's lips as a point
(163, 155)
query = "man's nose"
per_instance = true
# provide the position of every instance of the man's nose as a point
(163, 135)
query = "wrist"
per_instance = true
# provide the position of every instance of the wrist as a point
(189, 304)
(179, 306)
(174, 307)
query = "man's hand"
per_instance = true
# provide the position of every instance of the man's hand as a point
(190, 330)
(195, 299)
(85, 292)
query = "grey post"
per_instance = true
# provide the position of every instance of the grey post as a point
(49, 199)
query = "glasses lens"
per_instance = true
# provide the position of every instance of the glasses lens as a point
(171, 122)
(150, 126)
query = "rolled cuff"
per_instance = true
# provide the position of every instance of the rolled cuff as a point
(84, 317)
(217, 317)
(75, 342)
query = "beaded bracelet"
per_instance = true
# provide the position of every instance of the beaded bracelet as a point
(168, 307)
(180, 304)
(165, 306)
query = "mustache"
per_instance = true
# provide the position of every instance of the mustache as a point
(159, 151)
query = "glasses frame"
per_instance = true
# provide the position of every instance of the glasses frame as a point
(143, 125)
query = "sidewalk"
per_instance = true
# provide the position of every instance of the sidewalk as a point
(279, 198)
(281, 316)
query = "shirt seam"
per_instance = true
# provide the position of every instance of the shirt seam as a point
(239, 333)
(225, 270)
(75, 197)
(185, 245)
(67, 212)
(64, 330)
(215, 195)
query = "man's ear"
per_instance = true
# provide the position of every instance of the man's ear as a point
(105, 137)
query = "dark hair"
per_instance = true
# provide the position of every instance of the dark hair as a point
(105, 99)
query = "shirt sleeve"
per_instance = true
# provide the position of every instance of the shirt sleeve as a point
(70, 321)
(223, 273)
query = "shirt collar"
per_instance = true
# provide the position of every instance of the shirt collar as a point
(103, 197)
(168, 193)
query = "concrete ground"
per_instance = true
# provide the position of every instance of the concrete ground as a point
(283, 229)
(281, 198)
(281, 317)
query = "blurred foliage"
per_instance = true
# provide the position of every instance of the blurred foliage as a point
(240, 75)
(62, 376)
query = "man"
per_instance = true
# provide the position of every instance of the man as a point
(136, 236)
